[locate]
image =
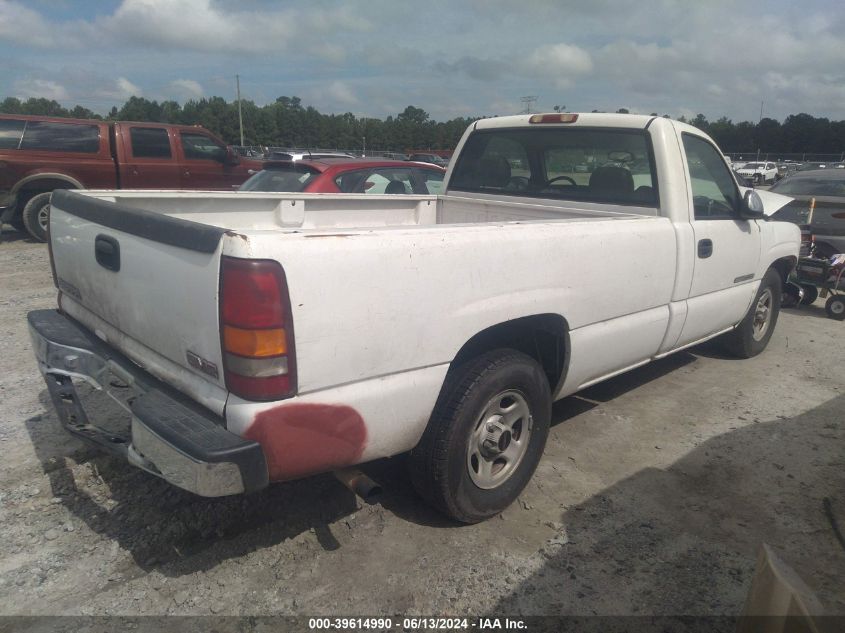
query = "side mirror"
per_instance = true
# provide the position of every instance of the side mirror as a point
(231, 157)
(752, 206)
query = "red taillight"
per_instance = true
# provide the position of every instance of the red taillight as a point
(256, 329)
(252, 294)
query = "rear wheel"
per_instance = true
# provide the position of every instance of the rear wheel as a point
(485, 436)
(835, 307)
(751, 336)
(36, 215)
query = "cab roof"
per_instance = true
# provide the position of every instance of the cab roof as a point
(588, 119)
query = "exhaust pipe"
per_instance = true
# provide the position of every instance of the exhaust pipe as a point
(359, 483)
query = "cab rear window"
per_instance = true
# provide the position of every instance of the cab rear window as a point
(61, 137)
(613, 166)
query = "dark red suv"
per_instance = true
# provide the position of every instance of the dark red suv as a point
(41, 154)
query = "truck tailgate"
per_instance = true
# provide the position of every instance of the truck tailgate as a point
(147, 284)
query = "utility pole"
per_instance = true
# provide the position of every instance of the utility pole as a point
(528, 101)
(761, 112)
(240, 116)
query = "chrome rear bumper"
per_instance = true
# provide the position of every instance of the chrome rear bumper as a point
(167, 435)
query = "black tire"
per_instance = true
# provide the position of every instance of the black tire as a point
(824, 251)
(440, 464)
(36, 213)
(790, 296)
(749, 338)
(811, 293)
(835, 307)
(17, 223)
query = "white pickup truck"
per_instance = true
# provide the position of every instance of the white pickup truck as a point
(255, 337)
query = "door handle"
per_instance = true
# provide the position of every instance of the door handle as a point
(705, 248)
(187, 173)
(134, 172)
(107, 252)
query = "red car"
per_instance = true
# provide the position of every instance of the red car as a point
(347, 175)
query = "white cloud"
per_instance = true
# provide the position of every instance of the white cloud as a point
(21, 24)
(185, 89)
(334, 96)
(561, 58)
(117, 90)
(342, 93)
(191, 25)
(713, 57)
(38, 88)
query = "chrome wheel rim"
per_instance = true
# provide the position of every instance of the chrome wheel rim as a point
(44, 216)
(499, 440)
(762, 315)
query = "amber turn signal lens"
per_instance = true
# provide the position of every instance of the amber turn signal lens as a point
(254, 343)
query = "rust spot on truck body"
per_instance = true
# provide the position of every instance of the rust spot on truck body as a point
(305, 439)
(238, 235)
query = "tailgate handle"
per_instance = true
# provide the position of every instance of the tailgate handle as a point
(107, 252)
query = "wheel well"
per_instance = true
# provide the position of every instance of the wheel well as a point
(784, 266)
(544, 337)
(41, 185)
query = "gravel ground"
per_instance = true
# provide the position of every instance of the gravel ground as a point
(654, 496)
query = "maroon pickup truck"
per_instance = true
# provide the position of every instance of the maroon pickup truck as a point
(40, 154)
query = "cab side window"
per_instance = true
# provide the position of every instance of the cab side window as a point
(201, 147)
(714, 192)
(149, 142)
(61, 137)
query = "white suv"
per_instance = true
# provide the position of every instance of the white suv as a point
(759, 173)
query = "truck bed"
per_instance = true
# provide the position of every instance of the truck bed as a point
(245, 211)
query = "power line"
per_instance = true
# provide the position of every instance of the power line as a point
(528, 101)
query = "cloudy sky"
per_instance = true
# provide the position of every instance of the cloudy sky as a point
(451, 58)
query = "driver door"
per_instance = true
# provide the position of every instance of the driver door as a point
(204, 165)
(727, 248)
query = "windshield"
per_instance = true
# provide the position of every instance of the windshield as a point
(280, 178)
(597, 165)
(753, 166)
(811, 187)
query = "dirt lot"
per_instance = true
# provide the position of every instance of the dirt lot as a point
(655, 493)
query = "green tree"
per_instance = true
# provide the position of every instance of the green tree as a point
(700, 121)
(413, 115)
(140, 109)
(11, 105)
(78, 112)
(43, 107)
